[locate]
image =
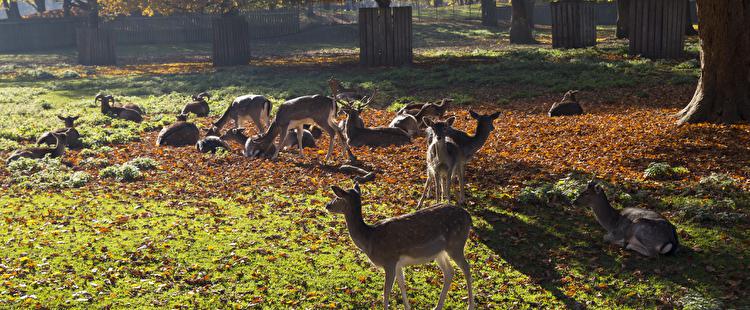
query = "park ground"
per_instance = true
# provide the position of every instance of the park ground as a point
(123, 223)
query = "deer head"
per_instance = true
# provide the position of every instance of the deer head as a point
(439, 128)
(346, 200)
(204, 96)
(69, 120)
(182, 117)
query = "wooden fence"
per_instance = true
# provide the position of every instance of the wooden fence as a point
(573, 24)
(385, 36)
(656, 28)
(41, 34)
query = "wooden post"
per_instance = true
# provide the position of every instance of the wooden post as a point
(96, 46)
(573, 24)
(231, 41)
(489, 13)
(385, 36)
(656, 28)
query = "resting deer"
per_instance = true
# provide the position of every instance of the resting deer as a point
(40, 152)
(181, 133)
(437, 233)
(254, 107)
(444, 161)
(72, 137)
(643, 231)
(407, 123)
(342, 93)
(422, 110)
(359, 135)
(117, 112)
(212, 142)
(308, 140)
(130, 106)
(567, 106)
(314, 110)
(199, 106)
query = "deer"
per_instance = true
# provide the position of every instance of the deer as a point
(640, 230)
(131, 106)
(72, 137)
(567, 106)
(41, 152)
(407, 123)
(429, 109)
(359, 135)
(199, 106)
(212, 142)
(181, 133)
(437, 233)
(470, 145)
(254, 107)
(444, 161)
(352, 94)
(315, 110)
(117, 112)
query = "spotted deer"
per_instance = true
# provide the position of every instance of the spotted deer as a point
(643, 231)
(437, 233)
(41, 152)
(117, 112)
(444, 161)
(254, 107)
(359, 135)
(72, 137)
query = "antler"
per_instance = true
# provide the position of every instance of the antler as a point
(368, 102)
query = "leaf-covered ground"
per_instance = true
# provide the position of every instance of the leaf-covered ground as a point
(212, 231)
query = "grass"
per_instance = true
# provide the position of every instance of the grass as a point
(212, 231)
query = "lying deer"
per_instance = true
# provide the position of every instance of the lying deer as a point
(359, 135)
(643, 231)
(437, 233)
(254, 107)
(567, 106)
(199, 106)
(407, 123)
(40, 152)
(444, 161)
(117, 112)
(426, 109)
(314, 110)
(212, 142)
(72, 137)
(181, 133)
(130, 106)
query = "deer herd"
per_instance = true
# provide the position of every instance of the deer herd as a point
(436, 233)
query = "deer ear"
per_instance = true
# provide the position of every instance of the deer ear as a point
(450, 120)
(495, 115)
(60, 117)
(428, 121)
(356, 188)
(338, 191)
(473, 114)
(591, 185)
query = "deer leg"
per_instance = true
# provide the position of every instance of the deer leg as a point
(236, 121)
(458, 257)
(280, 144)
(445, 266)
(299, 138)
(425, 190)
(461, 185)
(259, 124)
(340, 135)
(447, 188)
(390, 275)
(402, 287)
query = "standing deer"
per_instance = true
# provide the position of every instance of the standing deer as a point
(359, 135)
(471, 144)
(40, 152)
(254, 107)
(72, 137)
(437, 233)
(199, 106)
(314, 110)
(117, 112)
(643, 231)
(444, 161)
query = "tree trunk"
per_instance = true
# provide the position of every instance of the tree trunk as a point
(623, 10)
(438, 3)
(723, 92)
(489, 13)
(11, 9)
(689, 29)
(40, 5)
(520, 32)
(66, 8)
(93, 19)
(530, 4)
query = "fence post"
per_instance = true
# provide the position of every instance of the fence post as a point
(96, 46)
(231, 41)
(573, 24)
(385, 36)
(656, 28)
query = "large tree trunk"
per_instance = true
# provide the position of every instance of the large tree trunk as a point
(689, 29)
(723, 92)
(11, 9)
(623, 12)
(530, 4)
(520, 32)
(40, 5)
